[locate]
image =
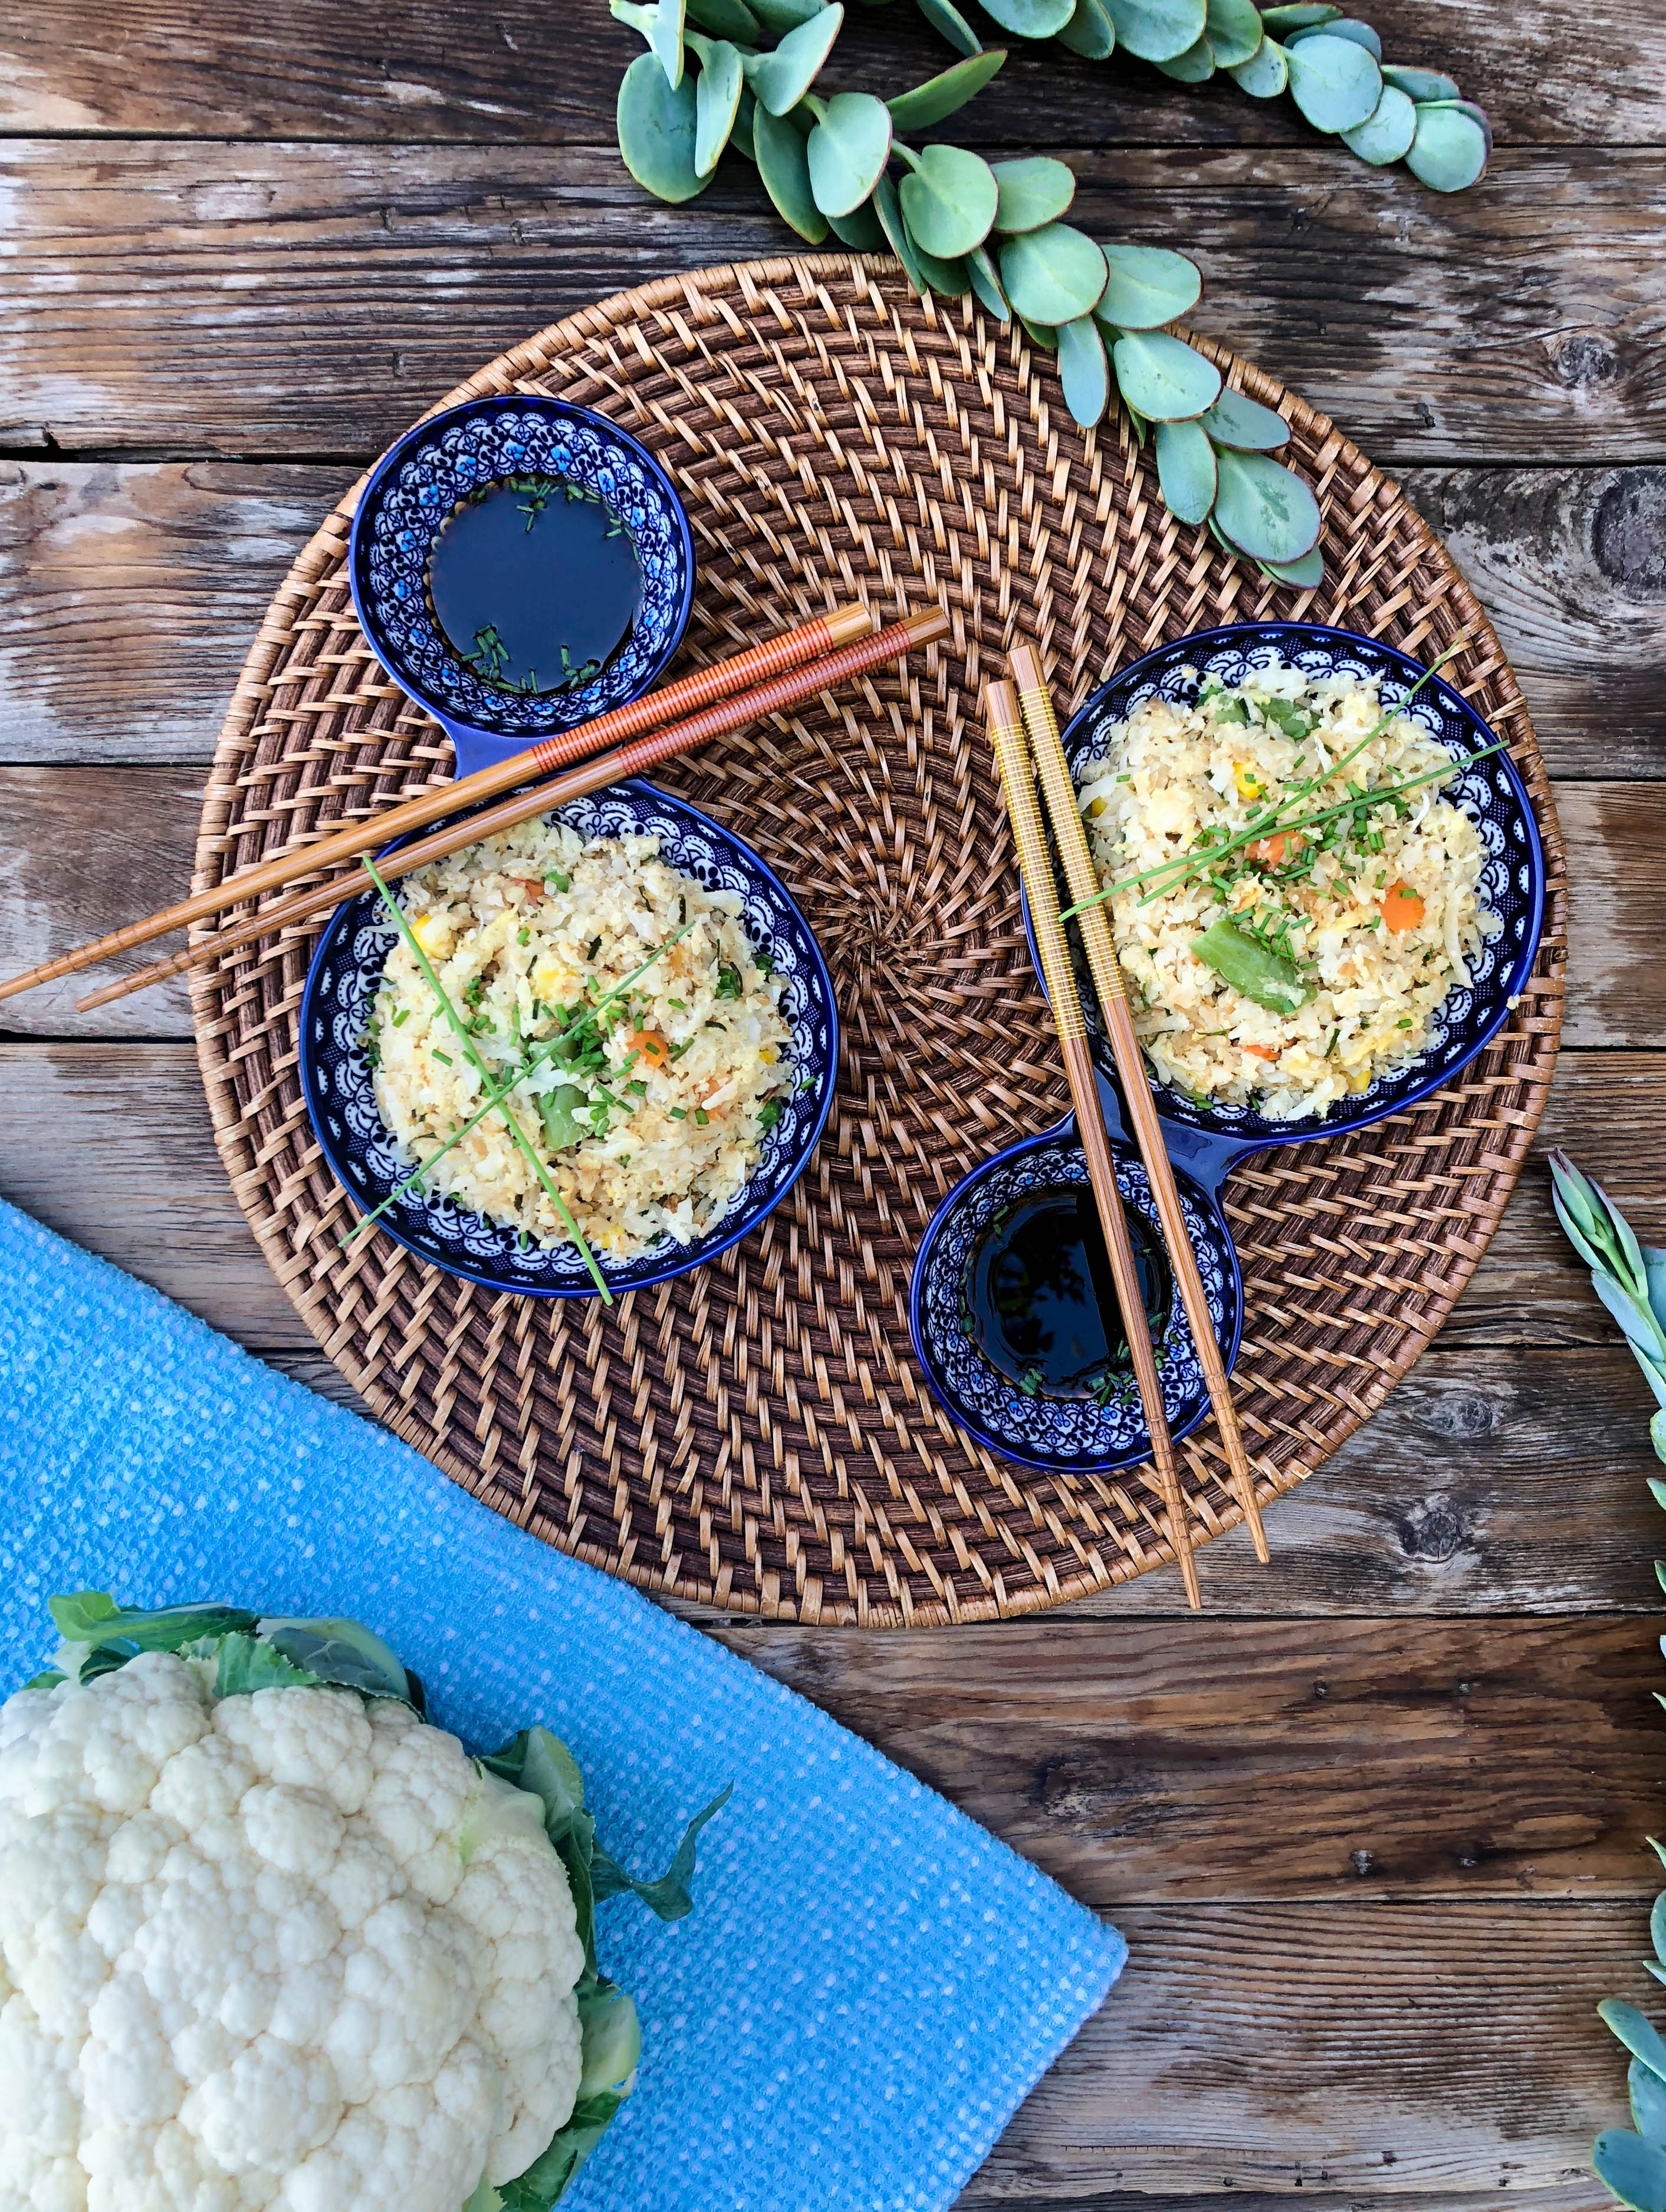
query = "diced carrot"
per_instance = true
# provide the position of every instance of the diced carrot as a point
(1273, 852)
(1400, 907)
(1261, 1051)
(652, 1047)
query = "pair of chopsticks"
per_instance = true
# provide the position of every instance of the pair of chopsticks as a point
(783, 672)
(1021, 723)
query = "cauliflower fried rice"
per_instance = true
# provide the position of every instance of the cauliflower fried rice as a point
(1349, 935)
(648, 1118)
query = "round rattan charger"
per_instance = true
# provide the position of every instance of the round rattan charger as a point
(755, 1434)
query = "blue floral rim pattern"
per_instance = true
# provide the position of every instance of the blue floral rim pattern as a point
(1062, 1435)
(418, 484)
(1491, 793)
(338, 1084)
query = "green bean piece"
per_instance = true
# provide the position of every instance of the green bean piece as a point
(1264, 976)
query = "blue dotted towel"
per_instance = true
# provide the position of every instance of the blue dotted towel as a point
(868, 1984)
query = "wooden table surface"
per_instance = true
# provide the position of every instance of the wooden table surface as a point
(1373, 1824)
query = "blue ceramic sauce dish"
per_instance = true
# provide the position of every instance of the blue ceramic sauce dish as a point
(531, 456)
(338, 1081)
(1205, 1141)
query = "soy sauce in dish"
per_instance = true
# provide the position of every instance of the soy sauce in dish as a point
(1041, 1301)
(535, 583)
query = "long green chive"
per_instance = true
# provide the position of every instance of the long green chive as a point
(397, 912)
(416, 1181)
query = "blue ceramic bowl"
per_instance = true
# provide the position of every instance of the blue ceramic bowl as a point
(1205, 1143)
(411, 493)
(336, 1079)
(1062, 1435)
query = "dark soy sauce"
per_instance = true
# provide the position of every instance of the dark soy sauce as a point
(535, 584)
(1041, 1300)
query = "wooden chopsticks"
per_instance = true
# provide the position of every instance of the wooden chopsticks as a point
(791, 648)
(1071, 839)
(790, 689)
(1019, 787)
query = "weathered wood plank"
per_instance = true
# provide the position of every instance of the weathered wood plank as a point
(133, 594)
(133, 589)
(1493, 1479)
(313, 298)
(524, 74)
(1367, 2050)
(92, 848)
(1142, 1762)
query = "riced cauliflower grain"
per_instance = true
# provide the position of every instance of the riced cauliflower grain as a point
(289, 1950)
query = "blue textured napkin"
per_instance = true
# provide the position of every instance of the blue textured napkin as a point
(869, 1983)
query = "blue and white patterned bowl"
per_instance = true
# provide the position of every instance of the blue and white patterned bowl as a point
(1491, 793)
(411, 493)
(1063, 1435)
(339, 1085)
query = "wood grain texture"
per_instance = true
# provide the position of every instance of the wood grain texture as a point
(1524, 323)
(135, 587)
(1156, 1761)
(519, 73)
(1366, 2048)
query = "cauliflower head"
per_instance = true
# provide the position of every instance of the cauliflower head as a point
(289, 1946)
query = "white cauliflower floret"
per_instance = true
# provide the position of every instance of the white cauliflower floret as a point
(286, 1950)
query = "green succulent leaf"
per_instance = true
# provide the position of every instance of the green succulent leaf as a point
(1029, 19)
(779, 81)
(1090, 31)
(717, 91)
(1449, 148)
(1147, 286)
(1639, 2035)
(1032, 192)
(1041, 334)
(861, 230)
(939, 96)
(1053, 274)
(1386, 134)
(1648, 2094)
(1346, 26)
(1195, 66)
(780, 15)
(1267, 73)
(985, 285)
(1419, 83)
(1083, 371)
(666, 40)
(611, 2040)
(1163, 377)
(741, 137)
(1306, 574)
(848, 151)
(93, 1617)
(345, 1653)
(949, 200)
(1235, 421)
(948, 279)
(1335, 83)
(1185, 471)
(725, 19)
(669, 1896)
(1266, 511)
(658, 129)
(889, 210)
(1634, 2170)
(1158, 30)
(784, 167)
(1234, 31)
(1298, 15)
(946, 19)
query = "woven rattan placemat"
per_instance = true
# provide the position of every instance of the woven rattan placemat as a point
(756, 1433)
